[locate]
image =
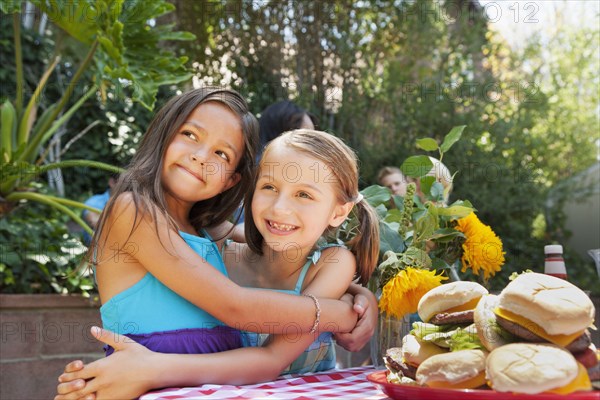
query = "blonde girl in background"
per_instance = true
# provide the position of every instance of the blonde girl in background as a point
(393, 179)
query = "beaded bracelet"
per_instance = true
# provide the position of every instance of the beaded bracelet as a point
(317, 313)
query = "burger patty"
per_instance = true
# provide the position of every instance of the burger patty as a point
(395, 362)
(581, 343)
(519, 330)
(577, 345)
(587, 358)
(407, 370)
(461, 317)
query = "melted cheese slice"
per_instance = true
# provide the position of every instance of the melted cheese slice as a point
(470, 305)
(560, 340)
(581, 382)
(471, 383)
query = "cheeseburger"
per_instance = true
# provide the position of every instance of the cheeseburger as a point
(543, 308)
(404, 361)
(535, 368)
(451, 303)
(464, 369)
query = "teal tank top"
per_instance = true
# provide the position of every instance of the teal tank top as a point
(149, 306)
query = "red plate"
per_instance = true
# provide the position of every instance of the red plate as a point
(407, 392)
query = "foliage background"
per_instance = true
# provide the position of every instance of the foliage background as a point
(381, 74)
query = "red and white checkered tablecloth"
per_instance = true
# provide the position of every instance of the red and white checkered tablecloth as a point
(348, 383)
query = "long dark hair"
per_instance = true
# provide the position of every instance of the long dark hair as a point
(143, 176)
(281, 117)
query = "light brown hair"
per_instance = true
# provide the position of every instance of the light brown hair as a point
(343, 163)
(385, 171)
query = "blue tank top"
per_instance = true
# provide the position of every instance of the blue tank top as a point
(149, 306)
(320, 355)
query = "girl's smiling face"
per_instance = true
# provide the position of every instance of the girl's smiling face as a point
(295, 199)
(201, 160)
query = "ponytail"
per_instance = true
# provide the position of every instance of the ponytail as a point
(365, 244)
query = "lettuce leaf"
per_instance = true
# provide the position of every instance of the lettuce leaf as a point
(465, 339)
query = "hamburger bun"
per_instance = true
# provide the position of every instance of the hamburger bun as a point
(535, 368)
(450, 297)
(490, 333)
(464, 369)
(414, 352)
(555, 305)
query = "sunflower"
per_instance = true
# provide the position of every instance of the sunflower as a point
(482, 249)
(402, 293)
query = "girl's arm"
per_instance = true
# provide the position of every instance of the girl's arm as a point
(133, 369)
(365, 304)
(335, 272)
(165, 255)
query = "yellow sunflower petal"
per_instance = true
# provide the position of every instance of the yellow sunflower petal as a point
(401, 294)
(482, 249)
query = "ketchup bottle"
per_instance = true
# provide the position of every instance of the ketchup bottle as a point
(554, 263)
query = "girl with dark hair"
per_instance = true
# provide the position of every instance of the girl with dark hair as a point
(290, 217)
(158, 280)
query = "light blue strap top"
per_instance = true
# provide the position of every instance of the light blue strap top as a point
(320, 355)
(149, 306)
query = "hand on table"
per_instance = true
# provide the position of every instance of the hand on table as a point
(120, 376)
(365, 304)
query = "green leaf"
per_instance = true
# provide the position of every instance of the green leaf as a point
(424, 227)
(426, 184)
(79, 18)
(390, 260)
(464, 203)
(29, 116)
(381, 211)
(10, 6)
(186, 36)
(427, 144)
(452, 137)
(393, 215)
(437, 191)
(130, 48)
(456, 212)
(445, 235)
(376, 195)
(390, 239)
(416, 258)
(398, 202)
(416, 166)
(8, 123)
(41, 121)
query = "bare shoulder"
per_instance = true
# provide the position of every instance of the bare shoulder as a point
(125, 209)
(128, 219)
(336, 255)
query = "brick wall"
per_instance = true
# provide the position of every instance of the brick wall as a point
(40, 334)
